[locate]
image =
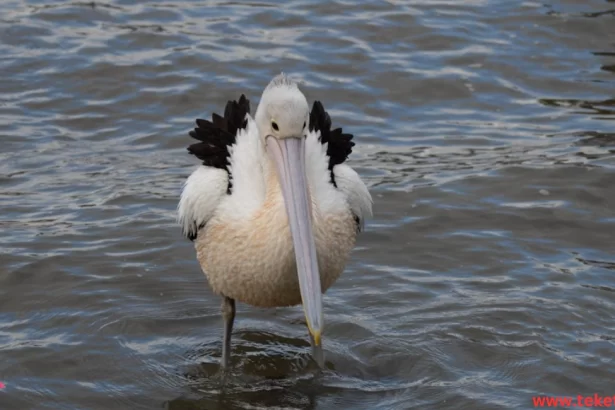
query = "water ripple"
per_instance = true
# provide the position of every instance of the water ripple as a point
(483, 129)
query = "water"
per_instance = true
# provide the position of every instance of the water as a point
(484, 129)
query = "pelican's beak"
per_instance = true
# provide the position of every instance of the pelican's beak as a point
(289, 157)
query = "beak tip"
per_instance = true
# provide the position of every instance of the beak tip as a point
(316, 337)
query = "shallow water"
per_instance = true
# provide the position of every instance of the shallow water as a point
(484, 129)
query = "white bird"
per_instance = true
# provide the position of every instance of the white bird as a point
(273, 210)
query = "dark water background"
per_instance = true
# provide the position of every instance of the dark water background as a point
(485, 132)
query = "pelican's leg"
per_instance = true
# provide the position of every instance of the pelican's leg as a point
(228, 314)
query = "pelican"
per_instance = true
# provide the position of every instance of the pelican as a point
(273, 211)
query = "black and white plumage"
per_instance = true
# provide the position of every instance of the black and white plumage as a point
(273, 209)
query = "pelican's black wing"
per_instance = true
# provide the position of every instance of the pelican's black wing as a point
(340, 144)
(217, 136)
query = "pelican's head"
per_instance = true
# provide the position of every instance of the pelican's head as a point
(283, 111)
(282, 118)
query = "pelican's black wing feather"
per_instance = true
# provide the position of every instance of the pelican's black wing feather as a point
(216, 136)
(340, 144)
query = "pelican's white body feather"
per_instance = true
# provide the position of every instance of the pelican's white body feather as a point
(201, 195)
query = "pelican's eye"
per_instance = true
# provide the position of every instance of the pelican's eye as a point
(275, 125)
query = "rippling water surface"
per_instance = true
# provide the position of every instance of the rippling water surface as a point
(485, 131)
